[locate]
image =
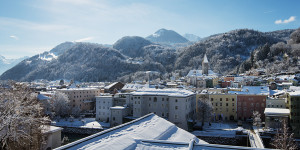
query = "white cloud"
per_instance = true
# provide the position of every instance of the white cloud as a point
(14, 37)
(291, 19)
(84, 39)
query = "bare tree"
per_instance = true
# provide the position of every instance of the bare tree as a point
(204, 110)
(21, 118)
(284, 138)
(256, 118)
(60, 104)
(75, 111)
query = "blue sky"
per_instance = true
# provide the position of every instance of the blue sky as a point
(33, 26)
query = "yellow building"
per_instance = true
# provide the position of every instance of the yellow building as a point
(224, 106)
(215, 81)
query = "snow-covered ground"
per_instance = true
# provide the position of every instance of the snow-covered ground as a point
(219, 130)
(83, 123)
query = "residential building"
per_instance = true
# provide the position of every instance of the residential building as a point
(293, 102)
(249, 99)
(224, 106)
(276, 102)
(117, 115)
(114, 87)
(275, 117)
(84, 98)
(103, 104)
(177, 105)
(53, 137)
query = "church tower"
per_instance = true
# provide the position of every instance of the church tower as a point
(205, 65)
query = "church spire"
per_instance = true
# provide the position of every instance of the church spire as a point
(205, 65)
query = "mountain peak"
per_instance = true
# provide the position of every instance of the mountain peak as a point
(166, 36)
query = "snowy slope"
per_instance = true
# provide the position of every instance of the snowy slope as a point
(166, 36)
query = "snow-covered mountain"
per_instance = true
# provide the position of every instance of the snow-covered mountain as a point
(192, 37)
(56, 51)
(167, 37)
(129, 55)
(6, 64)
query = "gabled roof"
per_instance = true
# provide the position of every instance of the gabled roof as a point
(128, 135)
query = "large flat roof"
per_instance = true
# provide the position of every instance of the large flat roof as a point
(164, 92)
(276, 112)
(126, 136)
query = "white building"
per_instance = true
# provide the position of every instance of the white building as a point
(276, 102)
(177, 105)
(103, 104)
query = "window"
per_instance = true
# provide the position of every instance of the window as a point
(176, 100)
(212, 99)
(138, 102)
(226, 104)
(163, 99)
(226, 99)
(216, 104)
(167, 99)
(114, 118)
(155, 99)
(176, 107)
(149, 98)
(163, 114)
(220, 104)
(220, 99)
(176, 117)
(232, 104)
(232, 99)
(149, 105)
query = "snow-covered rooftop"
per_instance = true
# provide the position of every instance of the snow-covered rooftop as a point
(276, 112)
(294, 93)
(164, 92)
(77, 89)
(129, 135)
(117, 107)
(111, 85)
(252, 90)
(50, 129)
(198, 73)
(277, 92)
(133, 87)
(42, 97)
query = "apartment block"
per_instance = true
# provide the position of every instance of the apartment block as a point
(224, 106)
(84, 98)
